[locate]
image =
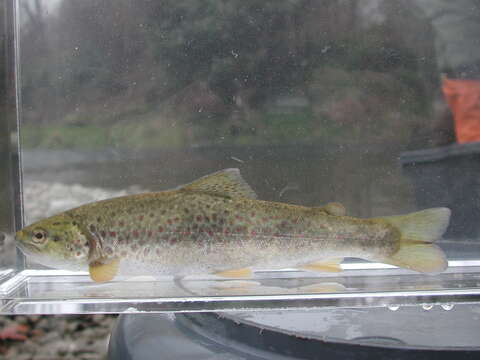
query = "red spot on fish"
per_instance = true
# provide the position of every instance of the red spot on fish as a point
(199, 218)
(160, 229)
(210, 233)
(112, 234)
(140, 218)
(253, 233)
(136, 234)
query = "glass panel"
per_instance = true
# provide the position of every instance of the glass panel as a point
(314, 102)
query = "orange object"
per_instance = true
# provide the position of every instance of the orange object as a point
(463, 97)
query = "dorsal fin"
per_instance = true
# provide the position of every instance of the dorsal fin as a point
(227, 183)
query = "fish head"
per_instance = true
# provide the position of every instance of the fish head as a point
(56, 242)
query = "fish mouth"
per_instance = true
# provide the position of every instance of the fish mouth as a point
(27, 248)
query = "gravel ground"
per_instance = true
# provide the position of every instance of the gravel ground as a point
(63, 336)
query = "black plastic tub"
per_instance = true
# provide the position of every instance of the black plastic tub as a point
(415, 333)
(448, 176)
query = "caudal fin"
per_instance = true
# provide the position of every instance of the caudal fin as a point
(418, 231)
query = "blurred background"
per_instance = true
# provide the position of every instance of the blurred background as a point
(313, 101)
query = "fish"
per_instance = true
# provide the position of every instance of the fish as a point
(216, 225)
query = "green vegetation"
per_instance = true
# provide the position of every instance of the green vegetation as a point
(173, 73)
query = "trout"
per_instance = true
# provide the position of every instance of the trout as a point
(216, 225)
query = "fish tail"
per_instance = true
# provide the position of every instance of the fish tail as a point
(418, 231)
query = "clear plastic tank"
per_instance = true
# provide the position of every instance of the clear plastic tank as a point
(363, 103)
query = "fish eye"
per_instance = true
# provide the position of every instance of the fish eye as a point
(39, 236)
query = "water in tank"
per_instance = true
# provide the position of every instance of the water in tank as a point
(288, 153)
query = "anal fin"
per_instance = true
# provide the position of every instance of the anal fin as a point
(326, 265)
(236, 273)
(103, 270)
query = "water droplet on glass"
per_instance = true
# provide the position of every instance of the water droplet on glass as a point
(427, 306)
(447, 307)
(393, 307)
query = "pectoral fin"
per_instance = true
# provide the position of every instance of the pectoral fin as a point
(101, 271)
(327, 265)
(236, 273)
